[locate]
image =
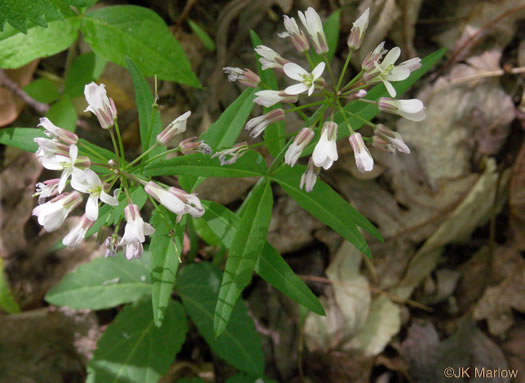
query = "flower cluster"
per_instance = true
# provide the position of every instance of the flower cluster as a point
(378, 66)
(60, 151)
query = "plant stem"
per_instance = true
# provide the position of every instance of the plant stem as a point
(115, 147)
(120, 141)
(345, 67)
(309, 60)
(306, 106)
(329, 68)
(353, 81)
(364, 120)
(143, 154)
(91, 151)
(341, 109)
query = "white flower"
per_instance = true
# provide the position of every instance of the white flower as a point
(174, 128)
(87, 181)
(233, 153)
(50, 148)
(100, 104)
(176, 200)
(54, 131)
(77, 234)
(363, 159)
(190, 145)
(258, 124)
(297, 36)
(386, 139)
(269, 98)
(325, 152)
(134, 232)
(412, 64)
(358, 30)
(309, 177)
(307, 80)
(413, 109)
(111, 245)
(51, 215)
(48, 188)
(314, 27)
(71, 165)
(269, 58)
(244, 76)
(299, 143)
(387, 71)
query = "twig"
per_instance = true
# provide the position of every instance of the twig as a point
(17, 90)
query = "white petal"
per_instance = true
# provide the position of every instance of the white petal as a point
(391, 57)
(311, 90)
(417, 116)
(398, 74)
(318, 70)
(411, 106)
(390, 89)
(294, 71)
(92, 207)
(73, 153)
(63, 179)
(296, 89)
(106, 198)
(148, 229)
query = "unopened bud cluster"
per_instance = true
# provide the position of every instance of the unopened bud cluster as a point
(62, 151)
(378, 66)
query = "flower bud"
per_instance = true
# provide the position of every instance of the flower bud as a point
(189, 145)
(363, 159)
(258, 124)
(299, 143)
(230, 156)
(175, 127)
(357, 33)
(373, 57)
(244, 76)
(54, 131)
(387, 140)
(309, 177)
(413, 109)
(297, 36)
(100, 104)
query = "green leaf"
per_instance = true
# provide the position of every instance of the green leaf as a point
(20, 13)
(62, 113)
(17, 48)
(328, 206)
(246, 247)
(166, 250)
(104, 283)
(240, 344)
(331, 30)
(21, 138)
(274, 133)
(80, 74)
(42, 90)
(223, 224)
(149, 117)
(125, 30)
(249, 165)
(133, 350)
(205, 39)
(7, 302)
(225, 131)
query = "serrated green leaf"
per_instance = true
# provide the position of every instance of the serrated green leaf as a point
(21, 138)
(149, 118)
(328, 206)
(246, 247)
(274, 133)
(249, 165)
(223, 223)
(240, 344)
(205, 39)
(20, 13)
(7, 302)
(133, 350)
(331, 30)
(42, 90)
(166, 250)
(125, 30)
(17, 48)
(104, 283)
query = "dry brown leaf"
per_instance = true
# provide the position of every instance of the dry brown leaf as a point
(403, 31)
(11, 105)
(517, 199)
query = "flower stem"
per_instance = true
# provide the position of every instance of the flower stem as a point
(329, 69)
(341, 109)
(364, 120)
(115, 147)
(345, 67)
(91, 151)
(309, 60)
(143, 154)
(120, 142)
(305, 106)
(353, 81)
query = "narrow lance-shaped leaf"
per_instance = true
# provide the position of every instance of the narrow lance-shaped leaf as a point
(104, 283)
(327, 206)
(246, 247)
(240, 344)
(166, 249)
(132, 349)
(249, 165)
(223, 224)
(149, 117)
